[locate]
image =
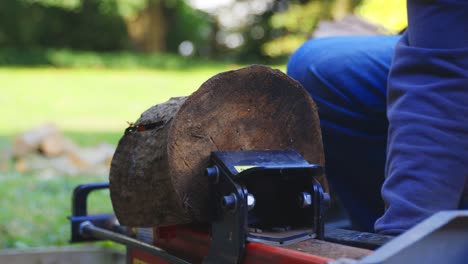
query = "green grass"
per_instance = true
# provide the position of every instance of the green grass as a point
(34, 210)
(91, 106)
(88, 100)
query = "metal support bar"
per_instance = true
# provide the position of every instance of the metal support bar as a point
(441, 238)
(88, 229)
(80, 196)
(355, 238)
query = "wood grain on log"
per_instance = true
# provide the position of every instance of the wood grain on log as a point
(156, 176)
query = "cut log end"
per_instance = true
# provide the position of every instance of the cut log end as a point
(157, 175)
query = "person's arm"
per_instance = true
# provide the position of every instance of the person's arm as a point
(427, 152)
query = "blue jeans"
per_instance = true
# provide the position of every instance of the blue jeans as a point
(347, 78)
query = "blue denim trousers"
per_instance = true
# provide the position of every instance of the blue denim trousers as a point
(347, 78)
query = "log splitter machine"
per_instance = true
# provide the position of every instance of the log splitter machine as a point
(267, 207)
(267, 198)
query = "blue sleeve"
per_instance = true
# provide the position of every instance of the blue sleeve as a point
(427, 109)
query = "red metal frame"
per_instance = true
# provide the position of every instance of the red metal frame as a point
(137, 256)
(193, 245)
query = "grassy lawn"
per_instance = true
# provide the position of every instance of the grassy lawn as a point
(81, 100)
(33, 211)
(91, 106)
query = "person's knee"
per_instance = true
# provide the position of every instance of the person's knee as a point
(343, 57)
(325, 57)
(325, 68)
(345, 72)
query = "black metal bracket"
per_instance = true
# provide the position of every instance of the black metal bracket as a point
(80, 213)
(270, 197)
(228, 231)
(86, 227)
(440, 238)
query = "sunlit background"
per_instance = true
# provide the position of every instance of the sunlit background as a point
(84, 68)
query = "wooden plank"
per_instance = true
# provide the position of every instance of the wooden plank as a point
(329, 250)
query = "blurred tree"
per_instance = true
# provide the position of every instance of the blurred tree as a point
(147, 26)
(188, 25)
(294, 23)
(143, 25)
(94, 25)
(298, 21)
(260, 29)
(241, 29)
(91, 24)
(390, 14)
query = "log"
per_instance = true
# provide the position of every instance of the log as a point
(156, 176)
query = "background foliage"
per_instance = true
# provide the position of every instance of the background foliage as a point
(121, 25)
(99, 25)
(91, 25)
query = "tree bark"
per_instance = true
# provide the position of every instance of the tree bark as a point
(156, 175)
(148, 29)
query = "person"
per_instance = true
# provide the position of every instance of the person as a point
(394, 116)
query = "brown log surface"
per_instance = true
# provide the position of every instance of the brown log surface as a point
(157, 175)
